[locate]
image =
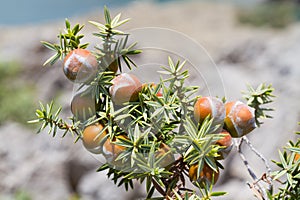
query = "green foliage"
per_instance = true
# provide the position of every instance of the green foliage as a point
(113, 49)
(8, 70)
(109, 28)
(149, 123)
(15, 96)
(69, 40)
(189, 196)
(22, 195)
(258, 98)
(114, 46)
(274, 14)
(51, 119)
(289, 173)
(150, 126)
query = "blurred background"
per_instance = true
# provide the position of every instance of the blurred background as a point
(250, 41)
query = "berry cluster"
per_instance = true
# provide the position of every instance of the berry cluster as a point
(235, 119)
(154, 132)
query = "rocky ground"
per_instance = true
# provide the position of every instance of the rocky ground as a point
(55, 168)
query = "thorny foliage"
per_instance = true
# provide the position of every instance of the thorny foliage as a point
(148, 123)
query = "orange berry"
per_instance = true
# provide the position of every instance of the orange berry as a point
(109, 61)
(226, 142)
(125, 88)
(91, 137)
(80, 65)
(160, 92)
(209, 106)
(297, 156)
(83, 106)
(113, 66)
(153, 86)
(207, 175)
(240, 118)
(111, 151)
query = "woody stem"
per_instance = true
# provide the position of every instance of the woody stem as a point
(260, 191)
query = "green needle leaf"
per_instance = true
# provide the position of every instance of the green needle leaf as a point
(107, 15)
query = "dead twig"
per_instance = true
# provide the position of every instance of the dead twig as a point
(257, 188)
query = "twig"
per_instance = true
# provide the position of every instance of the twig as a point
(265, 177)
(260, 191)
(258, 154)
(158, 187)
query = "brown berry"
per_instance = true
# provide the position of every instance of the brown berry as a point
(225, 142)
(125, 88)
(83, 106)
(209, 106)
(80, 65)
(111, 151)
(92, 136)
(240, 118)
(110, 62)
(207, 175)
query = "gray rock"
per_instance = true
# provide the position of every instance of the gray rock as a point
(32, 163)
